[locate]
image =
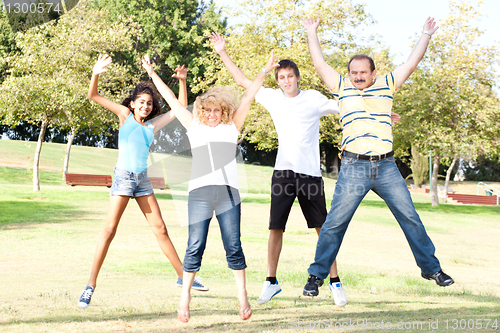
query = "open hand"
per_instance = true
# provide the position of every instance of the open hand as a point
(146, 64)
(180, 72)
(103, 61)
(311, 25)
(430, 25)
(271, 63)
(395, 117)
(218, 42)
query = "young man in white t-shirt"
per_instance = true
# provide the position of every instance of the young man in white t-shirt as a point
(297, 171)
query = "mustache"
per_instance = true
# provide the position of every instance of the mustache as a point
(358, 81)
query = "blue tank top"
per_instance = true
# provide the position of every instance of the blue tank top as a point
(134, 140)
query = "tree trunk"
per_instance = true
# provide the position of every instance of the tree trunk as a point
(36, 161)
(419, 166)
(434, 184)
(71, 137)
(447, 181)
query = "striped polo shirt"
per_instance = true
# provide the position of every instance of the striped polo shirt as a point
(365, 115)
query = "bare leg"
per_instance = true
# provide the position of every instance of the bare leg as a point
(151, 211)
(117, 205)
(187, 282)
(333, 269)
(240, 277)
(274, 246)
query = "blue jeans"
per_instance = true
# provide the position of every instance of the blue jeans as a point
(355, 179)
(202, 203)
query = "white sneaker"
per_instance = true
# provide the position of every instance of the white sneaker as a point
(268, 292)
(339, 295)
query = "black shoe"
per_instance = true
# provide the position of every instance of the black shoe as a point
(441, 278)
(312, 286)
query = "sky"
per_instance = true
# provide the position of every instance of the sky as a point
(399, 20)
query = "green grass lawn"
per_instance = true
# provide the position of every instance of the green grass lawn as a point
(48, 238)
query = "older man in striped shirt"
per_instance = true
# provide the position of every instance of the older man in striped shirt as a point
(365, 102)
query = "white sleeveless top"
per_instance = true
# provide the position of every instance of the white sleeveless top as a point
(214, 151)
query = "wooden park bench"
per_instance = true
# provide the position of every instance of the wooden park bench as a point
(158, 182)
(442, 192)
(415, 189)
(74, 179)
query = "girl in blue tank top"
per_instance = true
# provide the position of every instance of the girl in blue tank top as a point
(137, 125)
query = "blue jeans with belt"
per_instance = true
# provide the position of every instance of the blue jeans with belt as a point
(356, 178)
(202, 203)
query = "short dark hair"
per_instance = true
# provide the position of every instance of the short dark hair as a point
(287, 63)
(361, 57)
(140, 89)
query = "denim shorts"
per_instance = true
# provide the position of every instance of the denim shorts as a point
(130, 184)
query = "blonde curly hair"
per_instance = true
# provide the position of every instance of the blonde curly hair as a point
(224, 97)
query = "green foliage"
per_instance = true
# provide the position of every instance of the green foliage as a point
(483, 169)
(7, 43)
(449, 105)
(172, 32)
(49, 75)
(277, 25)
(37, 12)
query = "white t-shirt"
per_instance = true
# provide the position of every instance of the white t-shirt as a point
(297, 122)
(214, 153)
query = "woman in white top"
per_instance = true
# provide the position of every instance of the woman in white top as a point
(213, 132)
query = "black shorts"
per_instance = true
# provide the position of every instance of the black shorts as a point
(286, 185)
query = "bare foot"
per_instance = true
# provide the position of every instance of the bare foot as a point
(183, 316)
(245, 310)
(183, 311)
(245, 313)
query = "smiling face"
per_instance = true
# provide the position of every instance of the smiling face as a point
(288, 81)
(360, 73)
(142, 106)
(212, 114)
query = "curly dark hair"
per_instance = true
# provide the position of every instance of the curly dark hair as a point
(140, 89)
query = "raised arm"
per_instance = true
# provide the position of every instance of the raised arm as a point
(242, 111)
(121, 111)
(179, 110)
(405, 70)
(220, 47)
(181, 75)
(166, 118)
(325, 71)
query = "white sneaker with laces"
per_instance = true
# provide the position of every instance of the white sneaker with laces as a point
(339, 295)
(268, 291)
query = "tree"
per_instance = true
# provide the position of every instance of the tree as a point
(277, 25)
(7, 43)
(484, 169)
(172, 32)
(49, 76)
(449, 107)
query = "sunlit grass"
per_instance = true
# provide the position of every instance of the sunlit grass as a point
(48, 239)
